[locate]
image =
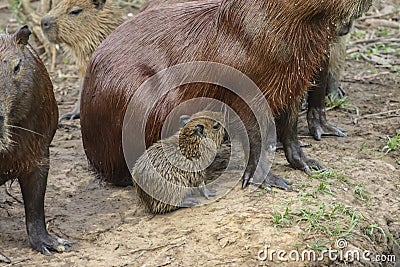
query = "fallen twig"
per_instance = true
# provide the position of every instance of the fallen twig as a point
(383, 23)
(388, 113)
(375, 40)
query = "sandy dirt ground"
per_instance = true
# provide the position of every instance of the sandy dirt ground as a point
(357, 202)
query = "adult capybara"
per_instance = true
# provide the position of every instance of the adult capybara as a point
(28, 121)
(81, 25)
(278, 44)
(168, 172)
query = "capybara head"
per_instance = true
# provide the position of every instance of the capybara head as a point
(28, 109)
(16, 73)
(204, 124)
(82, 25)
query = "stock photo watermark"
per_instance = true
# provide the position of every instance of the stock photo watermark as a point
(341, 252)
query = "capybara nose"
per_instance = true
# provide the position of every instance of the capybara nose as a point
(46, 23)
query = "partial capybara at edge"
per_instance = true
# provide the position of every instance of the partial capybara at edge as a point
(167, 173)
(81, 25)
(278, 44)
(28, 122)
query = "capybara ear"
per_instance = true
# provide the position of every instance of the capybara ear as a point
(99, 4)
(22, 35)
(216, 126)
(183, 120)
(199, 130)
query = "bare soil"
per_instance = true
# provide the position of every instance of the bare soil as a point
(109, 228)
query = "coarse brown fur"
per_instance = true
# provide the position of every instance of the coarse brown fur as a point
(277, 44)
(161, 176)
(83, 32)
(28, 113)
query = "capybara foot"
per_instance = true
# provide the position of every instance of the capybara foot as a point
(189, 202)
(72, 115)
(299, 161)
(278, 182)
(46, 243)
(4, 258)
(319, 126)
(207, 193)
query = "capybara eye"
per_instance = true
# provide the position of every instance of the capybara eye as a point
(199, 129)
(17, 68)
(217, 126)
(75, 11)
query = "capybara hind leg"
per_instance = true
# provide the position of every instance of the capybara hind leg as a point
(4, 258)
(316, 114)
(33, 187)
(319, 126)
(286, 125)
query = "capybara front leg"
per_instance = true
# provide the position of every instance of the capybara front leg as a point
(33, 187)
(258, 167)
(286, 125)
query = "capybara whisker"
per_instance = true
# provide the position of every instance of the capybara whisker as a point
(24, 129)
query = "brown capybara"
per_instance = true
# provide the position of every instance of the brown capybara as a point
(278, 44)
(28, 122)
(81, 25)
(168, 172)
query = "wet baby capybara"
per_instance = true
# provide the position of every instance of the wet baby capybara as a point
(168, 172)
(81, 25)
(28, 121)
(278, 44)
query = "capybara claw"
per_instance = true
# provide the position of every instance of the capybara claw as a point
(278, 182)
(53, 243)
(45, 250)
(4, 258)
(245, 183)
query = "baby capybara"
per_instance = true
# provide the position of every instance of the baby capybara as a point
(81, 25)
(278, 44)
(168, 172)
(28, 121)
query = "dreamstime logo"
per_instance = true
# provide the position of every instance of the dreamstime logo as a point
(167, 95)
(341, 252)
